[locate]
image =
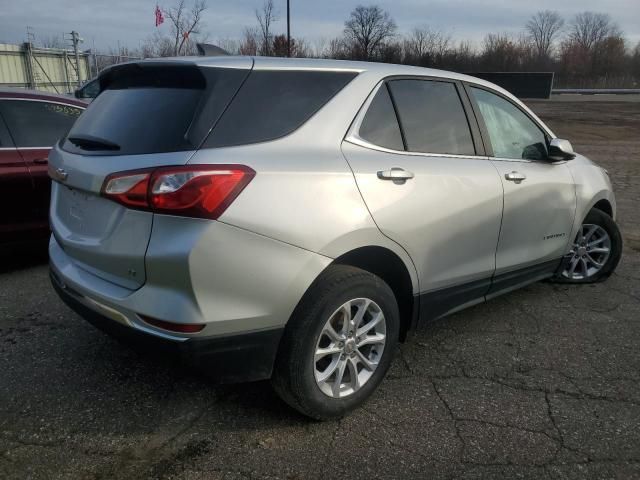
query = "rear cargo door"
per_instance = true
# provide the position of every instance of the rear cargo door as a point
(146, 116)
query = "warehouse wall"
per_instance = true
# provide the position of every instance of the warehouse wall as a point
(50, 69)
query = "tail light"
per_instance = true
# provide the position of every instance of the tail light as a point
(203, 191)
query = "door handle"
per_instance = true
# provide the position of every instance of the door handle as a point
(397, 174)
(516, 177)
(41, 161)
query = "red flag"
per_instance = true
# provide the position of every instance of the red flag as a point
(159, 16)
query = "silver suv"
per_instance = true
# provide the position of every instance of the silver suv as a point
(294, 219)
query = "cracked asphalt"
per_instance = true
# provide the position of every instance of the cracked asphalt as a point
(540, 383)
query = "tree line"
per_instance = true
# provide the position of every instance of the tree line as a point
(587, 50)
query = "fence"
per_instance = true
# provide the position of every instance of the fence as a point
(51, 69)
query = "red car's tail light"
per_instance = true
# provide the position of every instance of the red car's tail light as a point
(202, 191)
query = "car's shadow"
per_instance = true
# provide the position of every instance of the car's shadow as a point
(18, 257)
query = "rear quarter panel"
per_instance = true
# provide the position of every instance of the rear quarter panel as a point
(304, 192)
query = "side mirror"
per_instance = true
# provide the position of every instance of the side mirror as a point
(560, 149)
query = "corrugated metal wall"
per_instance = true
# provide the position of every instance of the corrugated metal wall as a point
(49, 69)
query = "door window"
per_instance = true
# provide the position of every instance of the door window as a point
(432, 117)
(5, 139)
(380, 124)
(37, 124)
(512, 133)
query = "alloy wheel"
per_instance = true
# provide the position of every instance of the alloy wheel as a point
(349, 348)
(589, 253)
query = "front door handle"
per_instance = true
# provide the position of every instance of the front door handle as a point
(516, 177)
(397, 174)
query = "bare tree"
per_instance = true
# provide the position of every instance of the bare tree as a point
(184, 23)
(249, 43)
(52, 41)
(543, 29)
(229, 45)
(589, 28)
(425, 46)
(265, 18)
(367, 29)
(503, 53)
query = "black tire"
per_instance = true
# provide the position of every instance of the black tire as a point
(293, 377)
(600, 218)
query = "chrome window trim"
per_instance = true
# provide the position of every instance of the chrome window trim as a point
(353, 135)
(27, 148)
(58, 102)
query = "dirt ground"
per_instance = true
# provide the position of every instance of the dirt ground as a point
(540, 383)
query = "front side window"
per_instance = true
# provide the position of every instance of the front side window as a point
(380, 124)
(432, 117)
(512, 133)
(36, 123)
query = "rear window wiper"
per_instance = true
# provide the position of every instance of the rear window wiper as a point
(90, 142)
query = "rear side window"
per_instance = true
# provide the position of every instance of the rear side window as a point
(432, 117)
(272, 104)
(37, 123)
(380, 124)
(153, 109)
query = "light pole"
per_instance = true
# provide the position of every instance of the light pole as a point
(288, 31)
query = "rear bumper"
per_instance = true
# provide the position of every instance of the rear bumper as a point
(233, 358)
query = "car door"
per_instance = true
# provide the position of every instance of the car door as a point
(539, 194)
(15, 187)
(35, 126)
(420, 166)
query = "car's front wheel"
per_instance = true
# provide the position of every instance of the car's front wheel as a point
(338, 344)
(595, 251)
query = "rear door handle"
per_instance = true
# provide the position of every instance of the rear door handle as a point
(516, 177)
(41, 161)
(397, 174)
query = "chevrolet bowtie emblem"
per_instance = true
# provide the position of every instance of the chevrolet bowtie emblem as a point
(58, 174)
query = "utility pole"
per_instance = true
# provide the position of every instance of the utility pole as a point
(75, 40)
(32, 76)
(288, 31)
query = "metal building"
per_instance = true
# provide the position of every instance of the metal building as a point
(51, 69)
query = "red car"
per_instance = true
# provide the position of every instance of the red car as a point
(30, 124)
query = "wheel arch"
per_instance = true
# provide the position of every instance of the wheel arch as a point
(387, 265)
(603, 205)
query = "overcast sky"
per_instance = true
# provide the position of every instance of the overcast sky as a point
(105, 22)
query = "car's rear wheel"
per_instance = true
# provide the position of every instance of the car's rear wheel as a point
(595, 251)
(339, 343)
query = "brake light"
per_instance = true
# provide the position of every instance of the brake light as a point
(203, 191)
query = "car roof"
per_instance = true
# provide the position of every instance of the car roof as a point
(283, 63)
(28, 94)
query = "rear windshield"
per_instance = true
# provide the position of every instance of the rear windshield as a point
(153, 109)
(274, 103)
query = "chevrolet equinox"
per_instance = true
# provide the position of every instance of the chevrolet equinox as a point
(293, 219)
